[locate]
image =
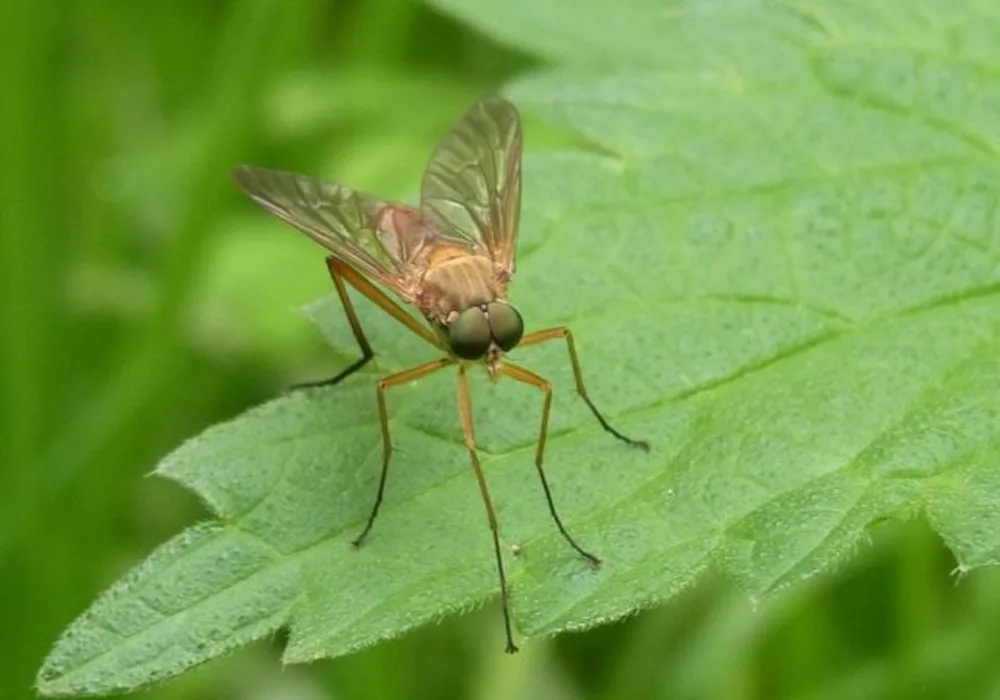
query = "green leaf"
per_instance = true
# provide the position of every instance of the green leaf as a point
(778, 252)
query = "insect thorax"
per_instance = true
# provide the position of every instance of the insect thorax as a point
(456, 284)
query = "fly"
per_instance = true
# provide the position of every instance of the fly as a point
(452, 258)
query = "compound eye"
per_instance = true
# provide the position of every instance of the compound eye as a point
(469, 335)
(506, 325)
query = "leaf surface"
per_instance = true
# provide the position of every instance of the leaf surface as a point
(777, 247)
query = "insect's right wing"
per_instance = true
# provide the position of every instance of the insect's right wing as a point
(377, 238)
(472, 186)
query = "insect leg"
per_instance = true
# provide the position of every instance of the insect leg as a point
(531, 379)
(352, 318)
(382, 300)
(341, 272)
(384, 385)
(554, 334)
(465, 415)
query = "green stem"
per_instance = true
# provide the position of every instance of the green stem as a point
(32, 238)
(258, 39)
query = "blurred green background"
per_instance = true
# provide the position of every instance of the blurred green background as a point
(143, 299)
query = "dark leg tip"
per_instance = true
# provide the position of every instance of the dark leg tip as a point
(511, 648)
(593, 561)
(631, 442)
(357, 541)
(641, 444)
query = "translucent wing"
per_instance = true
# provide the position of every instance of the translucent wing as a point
(472, 187)
(380, 239)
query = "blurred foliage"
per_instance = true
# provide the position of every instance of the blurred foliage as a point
(141, 300)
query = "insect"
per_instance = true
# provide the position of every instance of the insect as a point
(452, 258)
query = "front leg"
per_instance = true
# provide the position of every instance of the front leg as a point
(468, 431)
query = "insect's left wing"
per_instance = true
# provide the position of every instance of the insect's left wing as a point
(374, 236)
(472, 186)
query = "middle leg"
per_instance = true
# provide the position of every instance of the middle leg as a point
(531, 379)
(384, 384)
